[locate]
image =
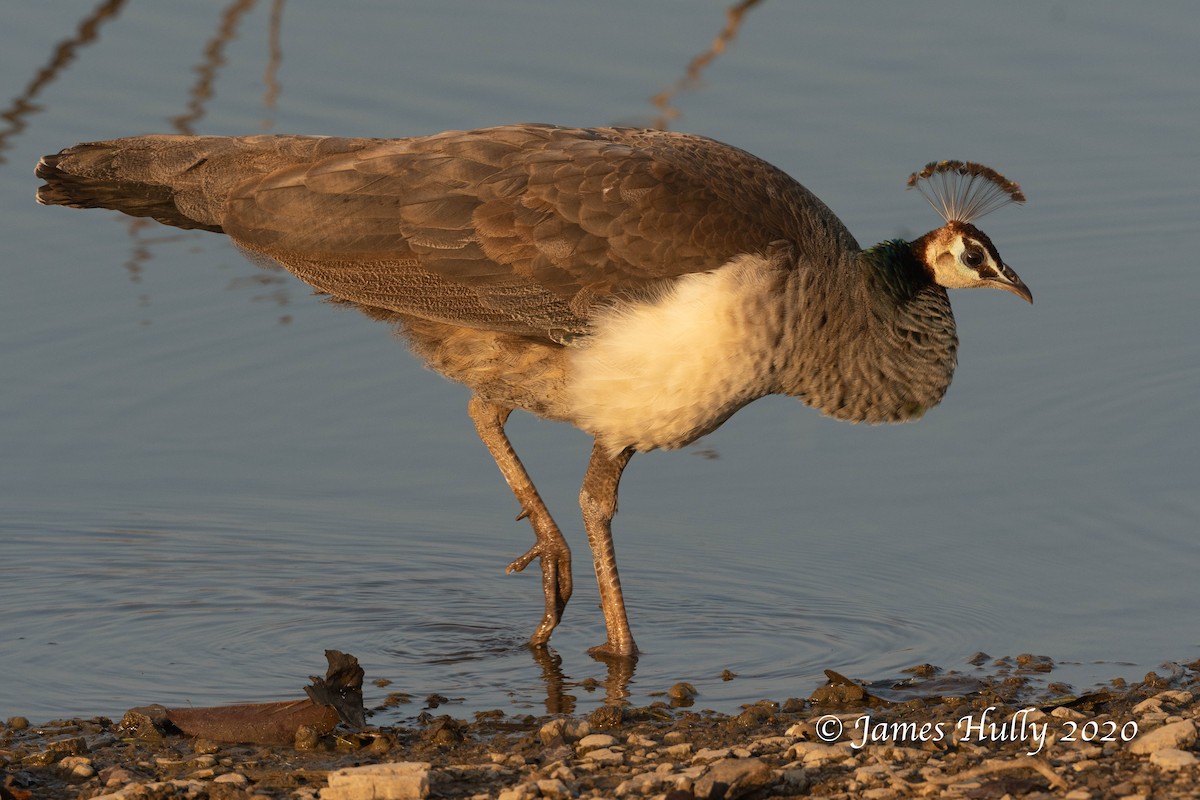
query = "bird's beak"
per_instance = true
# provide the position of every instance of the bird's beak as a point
(1009, 281)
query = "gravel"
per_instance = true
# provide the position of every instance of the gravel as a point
(845, 741)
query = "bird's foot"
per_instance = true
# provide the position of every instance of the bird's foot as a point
(554, 555)
(609, 653)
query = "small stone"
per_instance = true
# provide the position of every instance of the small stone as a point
(823, 754)
(738, 776)
(551, 787)
(1177, 696)
(878, 793)
(770, 744)
(77, 766)
(606, 717)
(307, 738)
(1078, 794)
(797, 777)
(17, 723)
(205, 747)
(1171, 758)
(793, 705)
(203, 762)
(236, 778)
(120, 775)
(677, 752)
(605, 756)
(145, 723)
(1174, 735)
(596, 740)
(643, 783)
(1148, 705)
(520, 792)
(872, 773)
(706, 754)
(1062, 712)
(404, 780)
(800, 730)
(576, 729)
(682, 692)
(552, 731)
(562, 773)
(70, 746)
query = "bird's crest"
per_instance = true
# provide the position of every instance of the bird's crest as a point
(962, 191)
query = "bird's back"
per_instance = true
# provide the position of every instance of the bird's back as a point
(526, 229)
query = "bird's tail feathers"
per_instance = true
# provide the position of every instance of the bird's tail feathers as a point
(146, 176)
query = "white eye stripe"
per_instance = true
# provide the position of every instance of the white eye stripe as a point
(987, 262)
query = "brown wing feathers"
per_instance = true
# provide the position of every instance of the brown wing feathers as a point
(519, 228)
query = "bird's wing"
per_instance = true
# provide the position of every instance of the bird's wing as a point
(523, 228)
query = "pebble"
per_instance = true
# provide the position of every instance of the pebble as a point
(1171, 758)
(404, 780)
(605, 756)
(1176, 696)
(551, 787)
(1173, 735)
(77, 766)
(1148, 705)
(596, 740)
(682, 691)
(1062, 712)
(706, 754)
(815, 754)
(678, 752)
(739, 776)
(205, 747)
(236, 778)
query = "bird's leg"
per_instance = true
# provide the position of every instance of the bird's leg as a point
(551, 548)
(598, 500)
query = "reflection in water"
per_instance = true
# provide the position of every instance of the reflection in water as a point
(274, 59)
(214, 59)
(64, 54)
(203, 91)
(615, 683)
(662, 100)
(557, 700)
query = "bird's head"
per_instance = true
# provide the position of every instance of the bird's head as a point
(958, 255)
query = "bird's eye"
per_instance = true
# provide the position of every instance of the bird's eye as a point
(973, 258)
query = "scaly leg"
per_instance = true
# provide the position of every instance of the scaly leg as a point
(598, 500)
(551, 548)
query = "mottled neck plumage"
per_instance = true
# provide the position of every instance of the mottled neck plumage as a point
(892, 270)
(875, 344)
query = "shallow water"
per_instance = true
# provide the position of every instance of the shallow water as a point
(208, 476)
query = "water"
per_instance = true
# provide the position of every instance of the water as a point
(208, 476)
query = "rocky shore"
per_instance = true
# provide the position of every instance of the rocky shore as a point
(844, 741)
